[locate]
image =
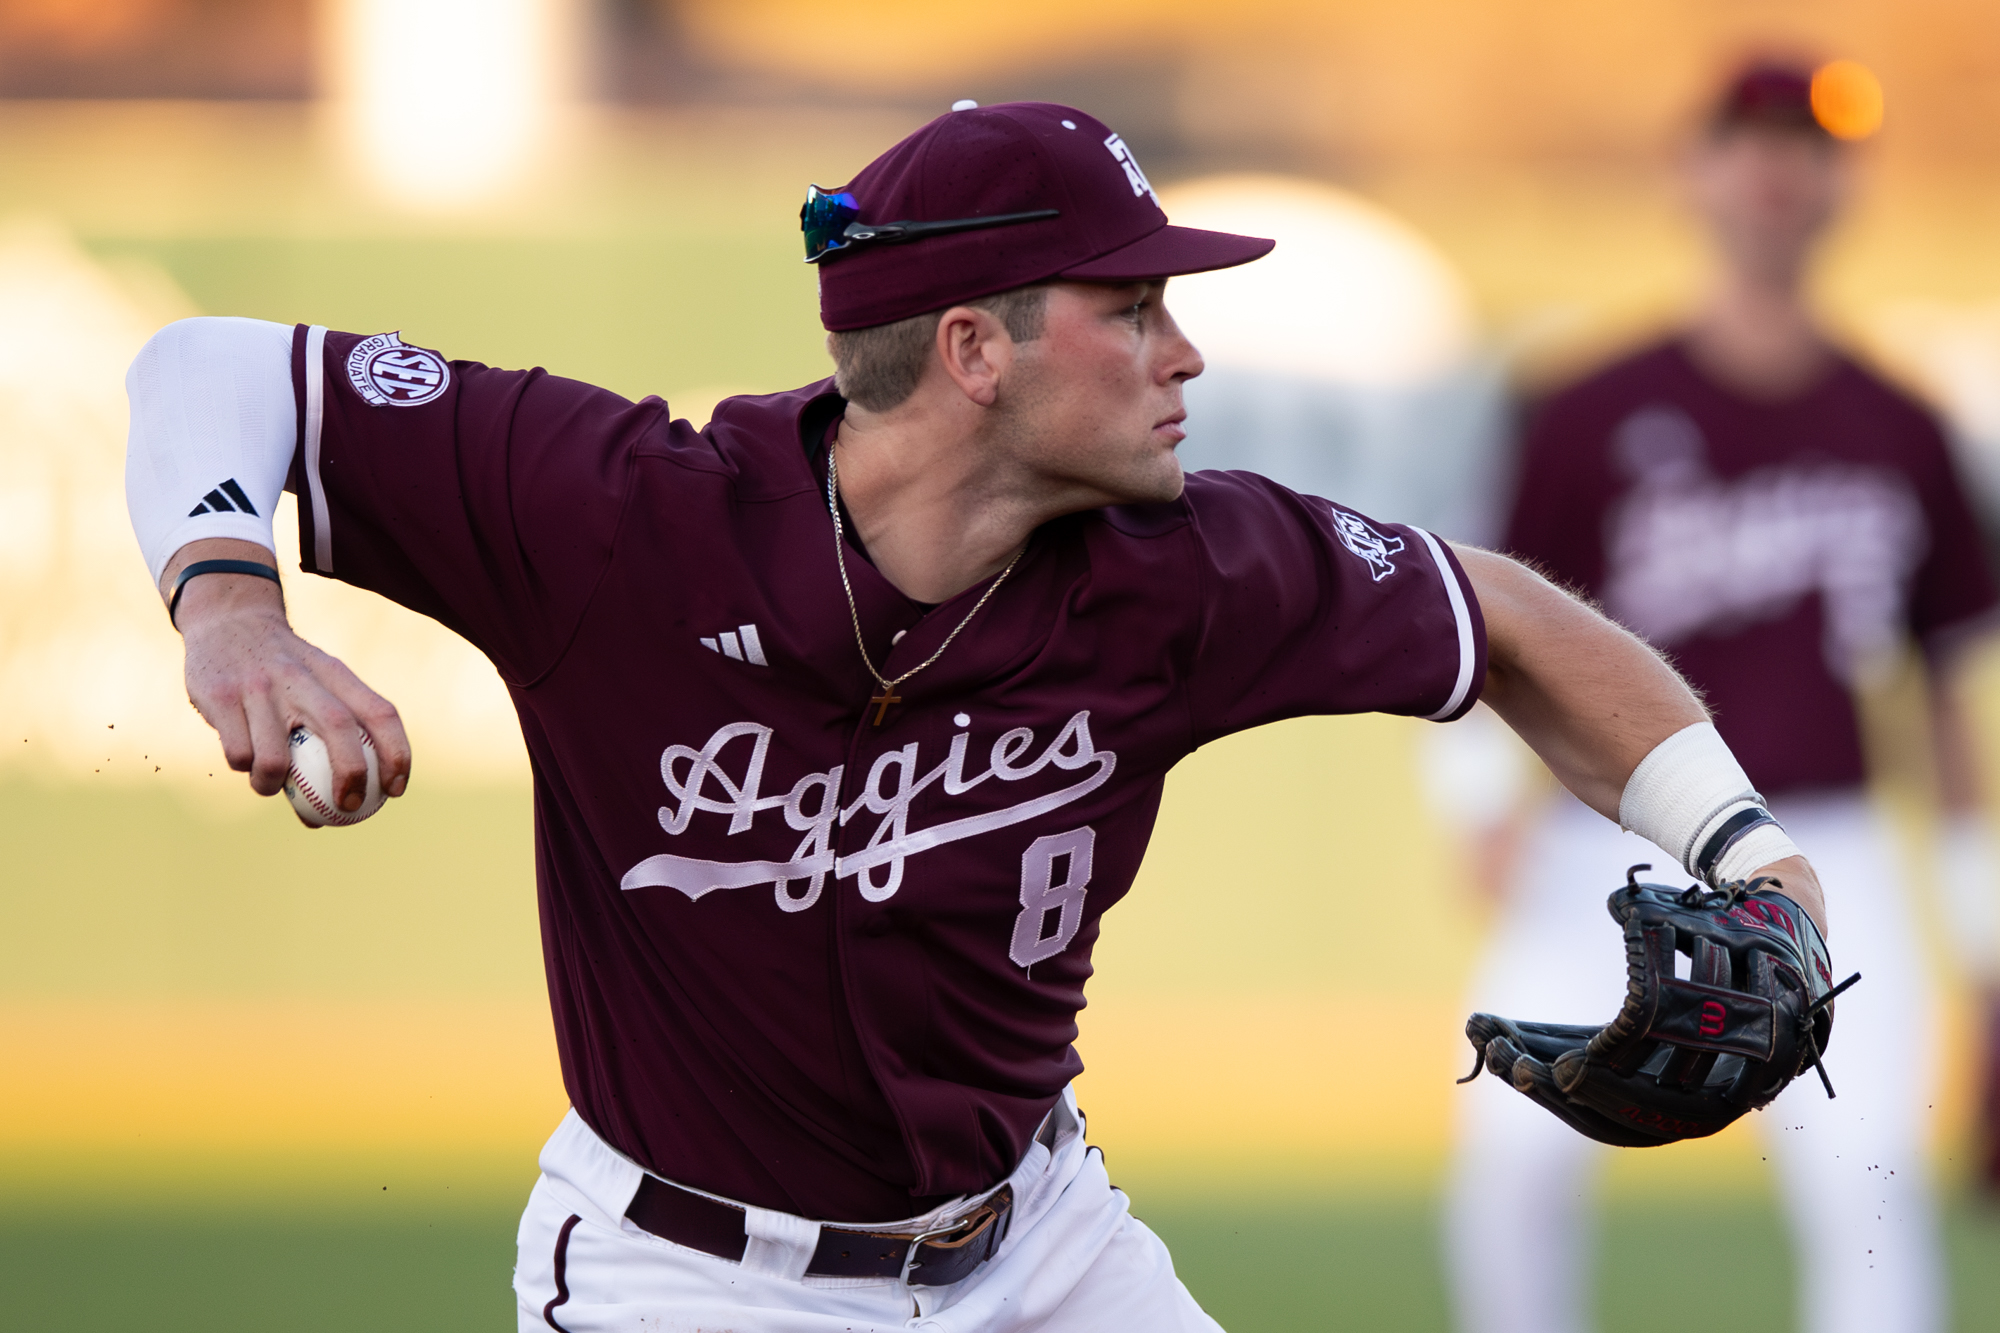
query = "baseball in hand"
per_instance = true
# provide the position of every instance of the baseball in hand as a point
(309, 783)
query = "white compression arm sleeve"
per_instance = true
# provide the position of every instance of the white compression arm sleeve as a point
(1690, 796)
(214, 426)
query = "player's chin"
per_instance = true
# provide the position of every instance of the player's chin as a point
(1156, 479)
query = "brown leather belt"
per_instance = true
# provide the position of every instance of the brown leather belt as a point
(922, 1258)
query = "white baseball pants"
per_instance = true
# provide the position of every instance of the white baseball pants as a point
(1074, 1261)
(1853, 1173)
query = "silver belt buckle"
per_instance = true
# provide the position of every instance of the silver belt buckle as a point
(916, 1243)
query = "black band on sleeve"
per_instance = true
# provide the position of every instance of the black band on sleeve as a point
(201, 567)
(1727, 836)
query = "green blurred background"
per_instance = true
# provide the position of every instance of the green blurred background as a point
(256, 1077)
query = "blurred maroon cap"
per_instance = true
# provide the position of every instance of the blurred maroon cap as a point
(1015, 157)
(1767, 92)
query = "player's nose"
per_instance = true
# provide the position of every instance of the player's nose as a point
(1180, 359)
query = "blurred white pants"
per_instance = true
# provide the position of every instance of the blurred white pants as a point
(1074, 1261)
(1853, 1172)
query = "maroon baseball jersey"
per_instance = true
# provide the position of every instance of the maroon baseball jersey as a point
(797, 958)
(1773, 549)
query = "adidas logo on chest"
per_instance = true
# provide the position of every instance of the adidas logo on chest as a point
(740, 643)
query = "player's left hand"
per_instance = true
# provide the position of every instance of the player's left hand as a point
(1801, 886)
(1683, 1058)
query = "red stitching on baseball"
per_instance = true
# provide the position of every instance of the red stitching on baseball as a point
(327, 812)
(313, 798)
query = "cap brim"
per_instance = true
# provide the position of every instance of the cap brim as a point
(1170, 251)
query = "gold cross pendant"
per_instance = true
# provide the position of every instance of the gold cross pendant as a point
(883, 700)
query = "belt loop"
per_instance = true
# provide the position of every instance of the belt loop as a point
(780, 1244)
(1069, 1117)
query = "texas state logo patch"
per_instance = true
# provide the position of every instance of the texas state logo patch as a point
(386, 372)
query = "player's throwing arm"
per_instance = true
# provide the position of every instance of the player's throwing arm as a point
(1684, 1057)
(209, 544)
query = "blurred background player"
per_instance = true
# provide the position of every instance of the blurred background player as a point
(1783, 523)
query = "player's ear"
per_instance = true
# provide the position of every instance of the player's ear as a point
(975, 350)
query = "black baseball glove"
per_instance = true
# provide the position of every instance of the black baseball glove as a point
(1684, 1057)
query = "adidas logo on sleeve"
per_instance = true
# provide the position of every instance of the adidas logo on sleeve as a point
(740, 643)
(228, 498)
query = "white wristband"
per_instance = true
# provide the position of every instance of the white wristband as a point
(1691, 797)
(1755, 849)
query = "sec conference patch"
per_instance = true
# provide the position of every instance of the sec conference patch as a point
(387, 373)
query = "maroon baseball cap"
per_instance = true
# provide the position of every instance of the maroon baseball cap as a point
(1772, 93)
(1016, 157)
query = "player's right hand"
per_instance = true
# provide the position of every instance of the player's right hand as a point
(253, 680)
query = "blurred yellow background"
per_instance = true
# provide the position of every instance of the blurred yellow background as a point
(200, 1000)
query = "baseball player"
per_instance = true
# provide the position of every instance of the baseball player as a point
(849, 715)
(1781, 522)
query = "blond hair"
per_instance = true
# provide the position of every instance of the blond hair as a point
(877, 368)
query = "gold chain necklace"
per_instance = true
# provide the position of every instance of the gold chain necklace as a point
(888, 695)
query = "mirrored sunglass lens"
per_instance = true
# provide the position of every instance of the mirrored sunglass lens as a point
(824, 217)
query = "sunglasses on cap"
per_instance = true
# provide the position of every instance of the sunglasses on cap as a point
(831, 222)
